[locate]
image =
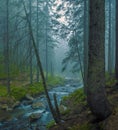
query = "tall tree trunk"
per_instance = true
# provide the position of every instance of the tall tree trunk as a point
(46, 39)
(116, 64)
(110, 43)
(85, 43)
(30, 45)
(96, 94)
(7, 47)
(113, 33)
(37, 77)
(54, 114)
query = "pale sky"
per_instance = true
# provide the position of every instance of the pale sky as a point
(62, 12)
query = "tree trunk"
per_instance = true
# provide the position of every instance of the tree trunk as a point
(30, 45)
(85, 43)
(46, 41)
(96, 94)
(54, 114)
(37, 34)
(110, 43)
(7, 47)
(116, 64)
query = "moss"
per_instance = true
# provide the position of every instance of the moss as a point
(3, 91)
(50, 124)
(18, 92)
(36, 88)
(110, 80)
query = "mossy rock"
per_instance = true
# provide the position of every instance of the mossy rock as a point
(38, 105)
(34, 116)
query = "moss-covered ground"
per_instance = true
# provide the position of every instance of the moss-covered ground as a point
(19, 88)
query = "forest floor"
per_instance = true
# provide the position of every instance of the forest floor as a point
(80, 117)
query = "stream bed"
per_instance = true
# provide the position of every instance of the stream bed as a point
(22, 116)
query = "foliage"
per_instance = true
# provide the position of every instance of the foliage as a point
(73, 32)
(50, 124)
(73, 55)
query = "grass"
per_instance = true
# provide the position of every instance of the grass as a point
(50, 124)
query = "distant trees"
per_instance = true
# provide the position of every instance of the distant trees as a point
(96, 94)
(15, 39)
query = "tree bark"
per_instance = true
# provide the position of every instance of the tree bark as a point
(7, 48)
(85, 43)
(110, 43)
(116, 63)
(30, 45)
(96, 94)
(37, 38)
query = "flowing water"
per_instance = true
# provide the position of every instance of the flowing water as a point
(20, 116)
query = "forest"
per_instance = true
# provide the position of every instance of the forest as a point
(58, 65)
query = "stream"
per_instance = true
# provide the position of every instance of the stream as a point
(38, 107)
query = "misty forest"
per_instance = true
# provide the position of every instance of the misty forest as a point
(58, 65)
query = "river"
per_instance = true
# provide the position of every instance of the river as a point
(38, 107)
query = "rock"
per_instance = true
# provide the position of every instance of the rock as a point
(38, 105)
(6, 107)
(7, 103)
(9, 109)
(34, 117)
(27, 102)
(29, 97)
(62, 108)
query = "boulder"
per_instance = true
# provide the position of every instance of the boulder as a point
(34, 117)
